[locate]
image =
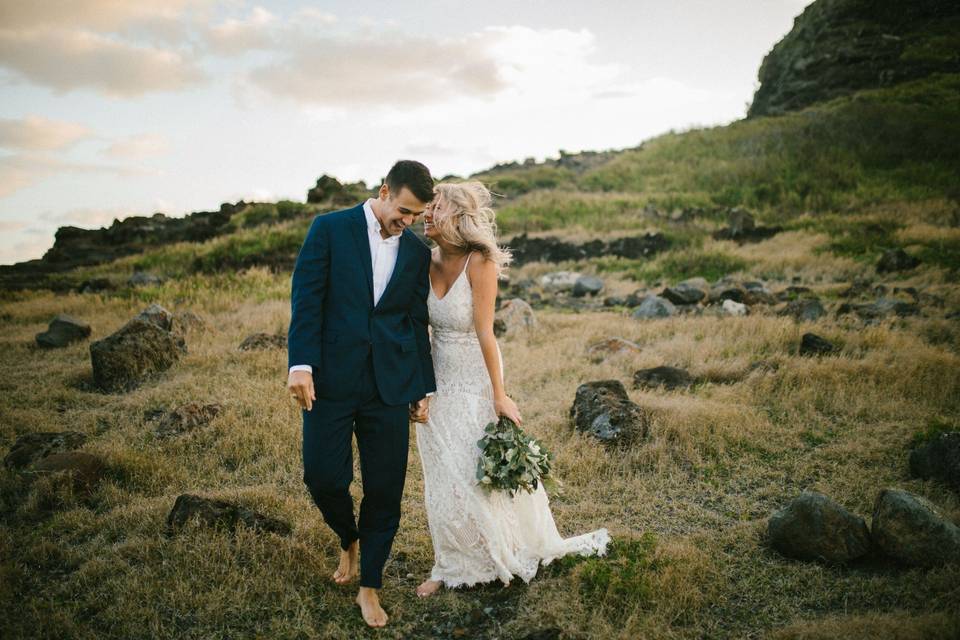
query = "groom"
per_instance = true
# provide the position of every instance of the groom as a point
(360, 363)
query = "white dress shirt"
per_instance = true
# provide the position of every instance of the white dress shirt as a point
(383, 256)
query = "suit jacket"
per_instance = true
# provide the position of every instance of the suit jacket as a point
(334, 324)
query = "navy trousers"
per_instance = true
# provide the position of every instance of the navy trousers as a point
(382, 433)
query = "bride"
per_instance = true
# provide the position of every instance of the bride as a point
(477, 536)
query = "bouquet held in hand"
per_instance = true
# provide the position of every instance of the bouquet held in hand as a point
(511, 460)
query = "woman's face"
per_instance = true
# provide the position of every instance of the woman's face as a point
(434, 211)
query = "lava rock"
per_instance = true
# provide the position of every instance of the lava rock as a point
(938, 459)
(664, 376)
(604, 410)
(587, 285)
(31, 447)
(880, 309)
(911, 530)
(142, 278)
(559, 281)
(689, 291)
(654, 307)
(220, 514)
(813, 345)
(125, 359)
(814, 527)
(63, 330)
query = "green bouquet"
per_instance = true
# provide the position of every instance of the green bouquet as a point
(511, 460)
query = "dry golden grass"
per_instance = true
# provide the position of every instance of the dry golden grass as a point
(720, 458)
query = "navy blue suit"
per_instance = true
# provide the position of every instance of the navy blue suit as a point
(369, 362)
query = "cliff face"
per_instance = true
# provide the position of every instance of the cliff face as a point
(837, 47)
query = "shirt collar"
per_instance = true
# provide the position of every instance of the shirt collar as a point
(373, 225)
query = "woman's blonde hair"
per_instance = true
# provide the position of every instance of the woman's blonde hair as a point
(470, 224)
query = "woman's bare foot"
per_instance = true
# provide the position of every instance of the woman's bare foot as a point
(349, 564)
(369, 602)
(428, 588)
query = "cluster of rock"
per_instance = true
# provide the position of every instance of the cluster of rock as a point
(906, 528)
(550, 249)
(329, 190)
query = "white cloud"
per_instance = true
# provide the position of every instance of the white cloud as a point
(9, 226)
(96, 14)
(139, 146)
(234, 36)
(65, 60)
(35, 133)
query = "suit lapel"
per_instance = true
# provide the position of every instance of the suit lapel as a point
(359, 229)
(403, 256)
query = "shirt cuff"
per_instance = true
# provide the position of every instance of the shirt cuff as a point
(430, 393)
(301, 367)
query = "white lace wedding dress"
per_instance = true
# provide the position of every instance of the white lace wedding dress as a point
(477, 536)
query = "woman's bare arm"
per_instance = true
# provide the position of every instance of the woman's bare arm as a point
(483, 280)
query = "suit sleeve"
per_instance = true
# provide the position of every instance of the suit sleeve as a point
(420, 322)
(307, 290)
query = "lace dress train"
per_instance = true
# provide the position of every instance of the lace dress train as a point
(477, 536)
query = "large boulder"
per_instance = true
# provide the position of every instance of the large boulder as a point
(938, 459)
(137, 351)
(63, 330)
(733, 308)
(31, 447)
(814, 527)
(882, 308)
(220, 514)
(911, 530)
(604, 410)
(654, 307)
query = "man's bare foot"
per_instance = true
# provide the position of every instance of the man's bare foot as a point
(349, 564)
(373, 613)
(428, 588)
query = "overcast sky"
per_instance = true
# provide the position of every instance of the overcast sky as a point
(112, 108)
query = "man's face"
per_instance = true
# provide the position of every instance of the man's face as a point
(398, 210)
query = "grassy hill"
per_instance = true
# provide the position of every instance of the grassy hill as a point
(687, 507)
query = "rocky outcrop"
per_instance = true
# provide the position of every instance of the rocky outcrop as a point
(31, 447)
(837, 47)
(938, 459)
(263, 341)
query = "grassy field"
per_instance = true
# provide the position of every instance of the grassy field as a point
(687, 507)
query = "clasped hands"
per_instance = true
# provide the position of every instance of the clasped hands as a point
(300, 386)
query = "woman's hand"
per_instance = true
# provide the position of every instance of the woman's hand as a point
(504, 406)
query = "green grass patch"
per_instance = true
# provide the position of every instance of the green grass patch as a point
(934, 429)
(620, 583)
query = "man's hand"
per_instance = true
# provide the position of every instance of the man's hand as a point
(300, 386)
(420, 410)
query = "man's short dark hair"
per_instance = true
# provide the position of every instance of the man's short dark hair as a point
(414, 176)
